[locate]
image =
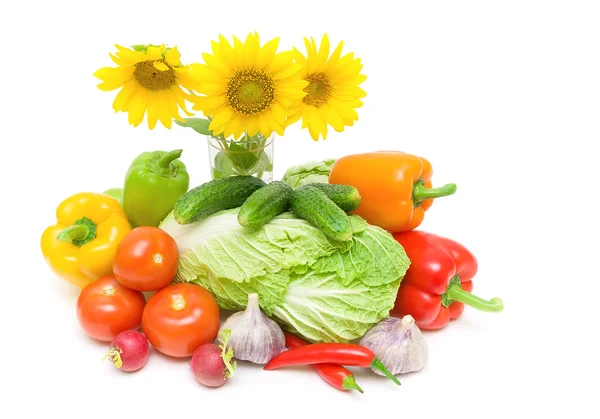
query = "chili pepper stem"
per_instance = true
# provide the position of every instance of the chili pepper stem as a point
(162, 165)
(456, 293)
(421, 193)
(349, 383)
(378, 365)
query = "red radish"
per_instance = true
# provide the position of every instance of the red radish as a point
(211, 363)
(129, 351)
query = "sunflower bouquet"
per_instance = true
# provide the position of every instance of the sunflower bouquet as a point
(247, 92)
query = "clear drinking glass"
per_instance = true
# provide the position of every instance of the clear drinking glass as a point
(251, 156)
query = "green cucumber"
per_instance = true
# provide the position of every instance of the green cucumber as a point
(312, 205)
(215, 196)
(265, 203)
(346, 197)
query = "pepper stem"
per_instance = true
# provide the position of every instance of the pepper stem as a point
(167, 158)
(378, 365)
(81, 232)
(349, 383)
(456, 293)
(421, 193)
(162, 165)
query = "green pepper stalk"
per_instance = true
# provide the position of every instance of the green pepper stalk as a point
(153, 183)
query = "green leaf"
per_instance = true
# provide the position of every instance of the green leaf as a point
(243, 159)
(309, 172)
(227, 352)
(200, 125)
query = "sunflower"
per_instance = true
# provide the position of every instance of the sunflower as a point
(150, 78)
(332, 93)
(246, 87)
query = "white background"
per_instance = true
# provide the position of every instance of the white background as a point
(502, 97)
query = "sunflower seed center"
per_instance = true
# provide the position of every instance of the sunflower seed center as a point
(319, 90)
(152, 78)
(250, 91)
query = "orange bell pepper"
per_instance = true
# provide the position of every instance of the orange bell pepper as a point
(395, 187)
(82, 245)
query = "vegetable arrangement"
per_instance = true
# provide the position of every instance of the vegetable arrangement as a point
(333, 270)
(323, 268)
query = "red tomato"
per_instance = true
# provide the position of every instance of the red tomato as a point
(180, 318)
(146, 259)
(106, 308)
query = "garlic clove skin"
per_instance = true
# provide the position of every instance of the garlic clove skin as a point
(398, 343)
(254, 337)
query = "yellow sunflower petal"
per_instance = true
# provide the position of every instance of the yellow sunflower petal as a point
(305, 114)
(278, 112)
(294, 117)
(167, 109)
(155, 52)
(276, 126)
(237, 125)
(178, 94)
(287, 71)
(300, 59)
(280, 62)
(212, 89)
(199, 73)
(137, 106)
(120, 102)
(263, 124)
(324, 50)
(333, 60)
(221, 118)
(343, 108)
(251, 50)
(210, 103)
(129, 57)
(172, 57)
(186, 77)
(216, 62)
(222, 48)
(154, 99)
(315, 122)
(160, 66)
(332, 117)
(252, 125)
(267, 53)
(115, 59)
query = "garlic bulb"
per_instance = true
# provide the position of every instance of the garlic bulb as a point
(254, 337)
(398, 343)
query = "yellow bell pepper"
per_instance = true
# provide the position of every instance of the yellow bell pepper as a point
(82, 245)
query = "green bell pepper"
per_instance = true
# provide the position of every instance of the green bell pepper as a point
(154, 181)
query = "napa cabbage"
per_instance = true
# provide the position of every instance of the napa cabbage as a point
(324, 290)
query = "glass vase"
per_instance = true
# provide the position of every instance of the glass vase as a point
(250, 156)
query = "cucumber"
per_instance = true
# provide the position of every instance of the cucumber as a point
(265, 203)
(215, 196)
(312, 205)
(346, 197)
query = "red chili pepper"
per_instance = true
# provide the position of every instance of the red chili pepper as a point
(335, 353)
(438, 284)
(335, 375)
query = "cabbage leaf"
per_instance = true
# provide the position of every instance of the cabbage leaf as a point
(322, 289)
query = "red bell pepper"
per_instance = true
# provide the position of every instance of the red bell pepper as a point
(438, 283)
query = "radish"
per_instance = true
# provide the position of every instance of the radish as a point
(129, 351)
(211, 364)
